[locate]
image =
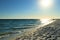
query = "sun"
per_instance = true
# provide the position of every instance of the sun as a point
(45, 3)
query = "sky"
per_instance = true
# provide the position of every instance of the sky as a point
(26, 9)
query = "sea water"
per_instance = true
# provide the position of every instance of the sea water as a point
(15, 26)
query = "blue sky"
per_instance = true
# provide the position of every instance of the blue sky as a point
(18, 9)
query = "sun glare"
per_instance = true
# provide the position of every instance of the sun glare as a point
(44, 20)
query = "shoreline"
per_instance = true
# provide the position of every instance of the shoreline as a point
(31, 32)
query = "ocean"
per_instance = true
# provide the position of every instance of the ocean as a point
(14, 26)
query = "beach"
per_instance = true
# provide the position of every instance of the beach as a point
(48, 32)
(45, 31)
